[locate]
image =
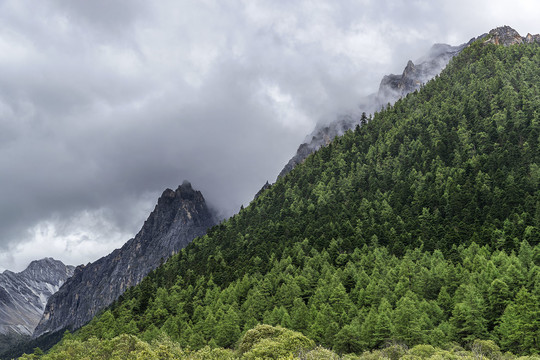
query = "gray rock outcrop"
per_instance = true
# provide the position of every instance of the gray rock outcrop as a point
(23, 295)
(393, 87)
(507, 36)
(178, 218)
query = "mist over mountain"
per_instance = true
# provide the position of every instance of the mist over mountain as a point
(392, 88)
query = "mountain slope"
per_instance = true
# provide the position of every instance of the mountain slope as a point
(392, 88)
(422, 226)
(23, 295)
(178, 218)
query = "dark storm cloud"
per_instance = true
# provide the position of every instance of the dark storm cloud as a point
(103, 104)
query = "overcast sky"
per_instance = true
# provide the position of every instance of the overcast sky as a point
(104, 104)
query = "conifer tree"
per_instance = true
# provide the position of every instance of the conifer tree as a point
(468, 315)
(519, 330)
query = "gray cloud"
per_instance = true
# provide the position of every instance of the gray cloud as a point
(104, 104)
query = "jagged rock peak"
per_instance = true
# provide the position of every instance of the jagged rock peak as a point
(506, 36)
(41, 263)
(185, 185)
(179, 216)
(40, 270)
(409, 67)
(184, 191)
(529, 39)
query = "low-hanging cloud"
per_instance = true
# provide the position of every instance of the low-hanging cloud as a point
(105, 104)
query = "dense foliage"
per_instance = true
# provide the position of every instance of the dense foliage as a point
(349, 302)
(421, 226)
(262, 342)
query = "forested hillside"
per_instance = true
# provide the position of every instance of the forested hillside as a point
(420, 227)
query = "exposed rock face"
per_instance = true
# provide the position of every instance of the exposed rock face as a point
(23, 295)
(393, 87)
(507, 36)
(178, 218)
(529, 39)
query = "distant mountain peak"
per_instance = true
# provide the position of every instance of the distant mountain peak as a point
(391, 88)
(23, 295)
(47, 262)
(409, 67)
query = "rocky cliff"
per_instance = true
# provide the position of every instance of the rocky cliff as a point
(393, 87)
(23, 295)
(178, 218)
(507, 36)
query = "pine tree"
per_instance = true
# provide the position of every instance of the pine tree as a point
(468, 315)
(519, 330)
(383, 328)
(300, 316)
(499, 296)
(363, 119)
(347, 340)
(409, 322)
(227, 329)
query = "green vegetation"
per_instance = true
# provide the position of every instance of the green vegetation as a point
(262, 342)
(350, 302)
(419, 229)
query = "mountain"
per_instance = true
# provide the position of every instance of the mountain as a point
(23, 295)
(177, 219)
(420, 229)
(392, 88)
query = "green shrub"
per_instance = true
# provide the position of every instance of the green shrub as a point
(486, 348)
(423, 351)
(268, 342)
(319, 353)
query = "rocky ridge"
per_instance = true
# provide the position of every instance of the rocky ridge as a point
(391, 89)
(507, 36)
(178, 218)
(23, 295)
